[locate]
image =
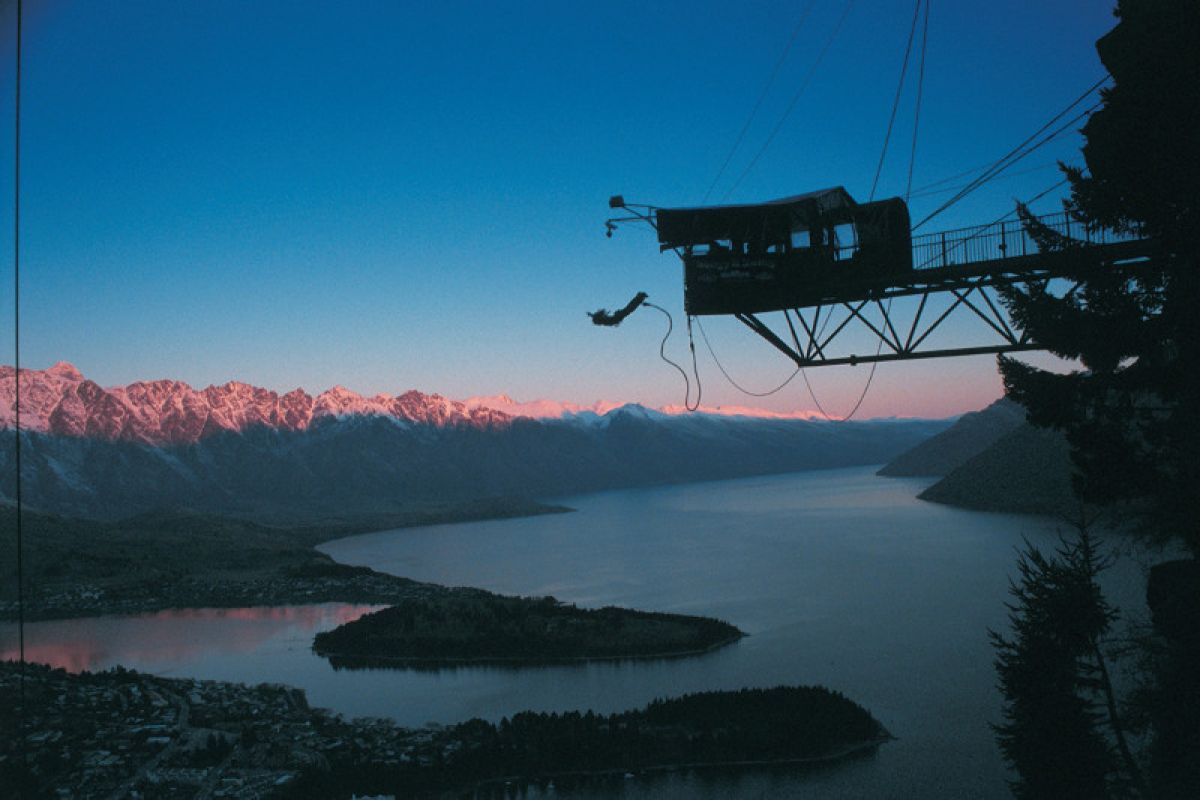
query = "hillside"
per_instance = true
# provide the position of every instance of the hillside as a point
(969, 436)
(81, 567)
(240, 450)
(992, 460)
(1028, 470)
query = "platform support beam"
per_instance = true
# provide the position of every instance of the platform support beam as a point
(811, 346)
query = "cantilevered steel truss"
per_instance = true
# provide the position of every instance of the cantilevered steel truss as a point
(963, 269)
(953, 274)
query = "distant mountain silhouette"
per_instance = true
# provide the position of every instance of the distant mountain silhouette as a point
(238, 449)
(971, 435)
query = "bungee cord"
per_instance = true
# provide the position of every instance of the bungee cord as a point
(919, 20)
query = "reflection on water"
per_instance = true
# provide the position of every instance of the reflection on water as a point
(165, 640)
(767, 780)
(840, 578)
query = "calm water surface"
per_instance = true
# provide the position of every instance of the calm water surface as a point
(840, 577)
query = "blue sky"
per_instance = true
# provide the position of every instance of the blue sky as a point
(401, 195)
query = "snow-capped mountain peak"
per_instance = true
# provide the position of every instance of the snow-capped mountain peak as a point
(60, 400)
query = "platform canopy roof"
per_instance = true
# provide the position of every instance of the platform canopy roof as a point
(772, 220)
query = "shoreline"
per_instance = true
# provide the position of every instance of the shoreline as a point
(88, 598)
(840, 754)
(416, 662)
(226, 596)
(302, 576)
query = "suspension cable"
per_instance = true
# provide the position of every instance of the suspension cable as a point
(887, 137)
(792, 103)
(912, 153)
(882, 157)
(912, 157)
(725, 164)
(982, 228)
(933, 186)
(23, 717)
(1018, 152)
(1006, 176)
(971, 187)
(761, 97)
(990, 172)
(950, 179)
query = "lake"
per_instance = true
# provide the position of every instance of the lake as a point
(839, 577)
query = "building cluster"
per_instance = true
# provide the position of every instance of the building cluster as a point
(123, 733)
(86, 599)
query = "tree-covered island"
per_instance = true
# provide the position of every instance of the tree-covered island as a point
(471, 625)
(740, 729)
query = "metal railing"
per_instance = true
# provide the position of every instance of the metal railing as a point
(1007, 239)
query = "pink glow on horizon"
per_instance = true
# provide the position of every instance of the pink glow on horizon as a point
(540, 408)
(553, 409)
(60, 400)
(744, 411)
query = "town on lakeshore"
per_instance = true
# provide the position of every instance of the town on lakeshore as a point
(122, 733)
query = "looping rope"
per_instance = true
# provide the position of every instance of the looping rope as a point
(662, 353)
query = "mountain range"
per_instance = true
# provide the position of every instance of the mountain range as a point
(240, 449)
(60, 401)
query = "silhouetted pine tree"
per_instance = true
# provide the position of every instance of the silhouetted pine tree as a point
(1132, 414)
(1061, 733)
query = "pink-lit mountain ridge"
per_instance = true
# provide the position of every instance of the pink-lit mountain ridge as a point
(61, 401)
(238, 449)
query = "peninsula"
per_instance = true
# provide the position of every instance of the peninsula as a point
(150, 562)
